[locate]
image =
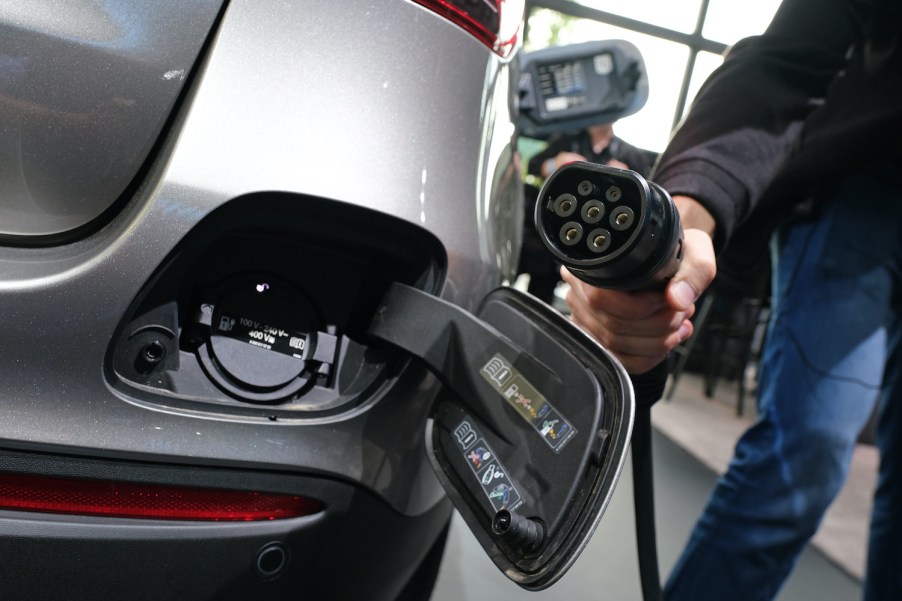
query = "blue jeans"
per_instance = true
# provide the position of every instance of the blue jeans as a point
(834, 346)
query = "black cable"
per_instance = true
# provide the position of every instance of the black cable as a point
(649, 388)
(613, 229)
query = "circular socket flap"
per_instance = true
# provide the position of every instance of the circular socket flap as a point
(262, 333)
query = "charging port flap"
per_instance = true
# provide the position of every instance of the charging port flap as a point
(532, 428)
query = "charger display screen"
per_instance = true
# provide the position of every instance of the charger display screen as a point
(562, 85)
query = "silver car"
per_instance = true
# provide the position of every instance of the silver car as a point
(225, 228)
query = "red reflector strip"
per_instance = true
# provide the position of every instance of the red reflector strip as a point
(129, 500)
(495, 23)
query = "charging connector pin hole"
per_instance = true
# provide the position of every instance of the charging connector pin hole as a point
(598, 240)
(564, 205)
(585, 188)
(622, 218)
(592, 211)
(613, 194)
(570, 233)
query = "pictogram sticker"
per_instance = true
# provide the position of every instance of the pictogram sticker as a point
(493, 478)
(528, 402)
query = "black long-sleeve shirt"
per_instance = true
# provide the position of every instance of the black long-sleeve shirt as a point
(819, 92)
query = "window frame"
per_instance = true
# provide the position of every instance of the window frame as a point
(695, 41)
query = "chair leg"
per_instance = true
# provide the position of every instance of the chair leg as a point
(682, 351)
(753, 351)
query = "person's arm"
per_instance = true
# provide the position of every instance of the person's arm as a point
(748, 115)
(627, 156)
(741, 127)
(534, 167)
(554, 155)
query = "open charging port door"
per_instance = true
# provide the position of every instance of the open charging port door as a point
(531, 433)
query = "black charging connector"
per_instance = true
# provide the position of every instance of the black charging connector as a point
(610, 227)
(614, 229)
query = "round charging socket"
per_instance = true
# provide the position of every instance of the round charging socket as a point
(261, 333)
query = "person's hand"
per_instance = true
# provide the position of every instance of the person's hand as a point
(642, 327)
(552, 164)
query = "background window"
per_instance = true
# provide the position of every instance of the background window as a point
(650, 127)
(680, 15)
(705, 64)
(728, 21)
(681, 42)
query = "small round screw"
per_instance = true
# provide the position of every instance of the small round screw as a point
(153, 352)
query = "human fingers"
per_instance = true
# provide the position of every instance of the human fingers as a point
(696, 272)
(622, 304)
(617, 311)
(569, 157)
(637, 352)
(698, 265)
(639, 343)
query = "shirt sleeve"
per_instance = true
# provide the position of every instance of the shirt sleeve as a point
(557, 143)
(748, 115)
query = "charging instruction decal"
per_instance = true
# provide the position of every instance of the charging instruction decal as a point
(261, 335)
(492, 476)
(528, 402)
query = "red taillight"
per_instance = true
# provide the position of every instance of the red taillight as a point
(496, 23)
(130, 500)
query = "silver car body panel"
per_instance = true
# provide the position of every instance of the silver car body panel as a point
(85, 89)
(276, 106)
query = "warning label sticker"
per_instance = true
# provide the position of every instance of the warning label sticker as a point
(487, 469)
(528, 402)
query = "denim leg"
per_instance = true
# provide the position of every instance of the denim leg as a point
(884, 568)
(821, 372)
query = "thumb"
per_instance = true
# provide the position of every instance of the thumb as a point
(696, 272)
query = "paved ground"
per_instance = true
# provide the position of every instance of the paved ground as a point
(688, 427)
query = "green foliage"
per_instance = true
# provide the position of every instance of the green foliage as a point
(548, 28)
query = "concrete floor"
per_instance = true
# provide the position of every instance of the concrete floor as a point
(607, 570)
(709, 428)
